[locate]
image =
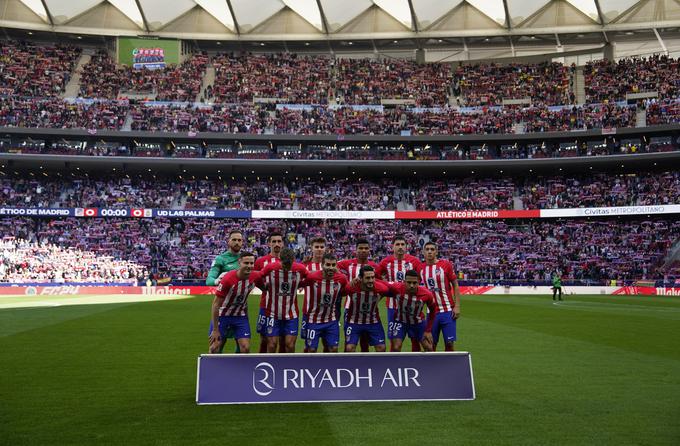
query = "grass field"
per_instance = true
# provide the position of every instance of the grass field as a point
(592, 370)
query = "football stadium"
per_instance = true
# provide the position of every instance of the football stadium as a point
(339, 222)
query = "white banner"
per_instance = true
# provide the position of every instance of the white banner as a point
(612, 211)
(339, 215)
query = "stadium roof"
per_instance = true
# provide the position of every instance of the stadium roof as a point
(336, 19)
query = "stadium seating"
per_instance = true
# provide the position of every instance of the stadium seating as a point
(489, 84)
(29, 70)
(340, 194)
(529, 250)
(611, 81)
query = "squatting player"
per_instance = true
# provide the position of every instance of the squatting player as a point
(351, 267)
(282, 280)
(223, 263)
(275, 242)
(393, 269)
(410, 299)
(230, 306)
(362, 317)
(315, 264)
(326, 288)
(439, 277)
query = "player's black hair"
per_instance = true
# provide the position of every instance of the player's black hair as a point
(235, 231)
(362, 241)
(245, 254)
(318, 240)
(430, 243)
(328, 257)
(287, 256)
(412, 273)
(397, 238)
(365, 269)
(274, 234)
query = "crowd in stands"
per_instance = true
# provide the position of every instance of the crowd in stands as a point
(540, 192)
(260, 119)
(29, 70)
(58, 114)
(611, 81)
(599, 190)
(663, 112)
(366, 81)
(102, 78)
(489, 84)
(287, 78)
(23, 259)
(484, 250)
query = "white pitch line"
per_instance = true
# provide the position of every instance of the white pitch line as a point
(93, 300)
(614, 306)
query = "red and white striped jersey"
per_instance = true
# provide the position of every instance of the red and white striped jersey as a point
(324, 295)
(311, 267)
(392, 269)
(260, 263)
(351, 267)
(439, 279)
(282, 286)
(362, 307)
(410, 306)
(235, 293)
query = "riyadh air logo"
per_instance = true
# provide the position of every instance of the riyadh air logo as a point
(263, 379)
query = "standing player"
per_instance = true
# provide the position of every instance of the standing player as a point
(557, 285)
(393, 269)
(282, 280)
(275, 242)
(223, 263)
(326, 288)
(410, 299)
(230, 306)
(362, 312)
(351, 267)
(439, 277)
(315, 264)
(228, 260)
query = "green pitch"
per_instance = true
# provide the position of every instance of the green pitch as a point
(593, 370)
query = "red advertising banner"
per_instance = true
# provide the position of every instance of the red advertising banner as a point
(465, 215)
(77, 290)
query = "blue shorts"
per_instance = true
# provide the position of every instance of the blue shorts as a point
(445, 323)
(238, 325)
(401, 329)
(281, 327)
(329, 331)
(375, 332)
(228, 334)
(390, 314)
(303, 328)
(261, 322)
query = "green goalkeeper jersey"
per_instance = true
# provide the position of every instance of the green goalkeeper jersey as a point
(557, 281)
(227, 261)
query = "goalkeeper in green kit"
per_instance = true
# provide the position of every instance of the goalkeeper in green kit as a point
(223, 263)
(557, 285)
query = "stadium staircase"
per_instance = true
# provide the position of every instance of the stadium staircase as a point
(672, 257)
(127, 125)
(641, 117)
(580, 86)
(208, 79)
(73, 87)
